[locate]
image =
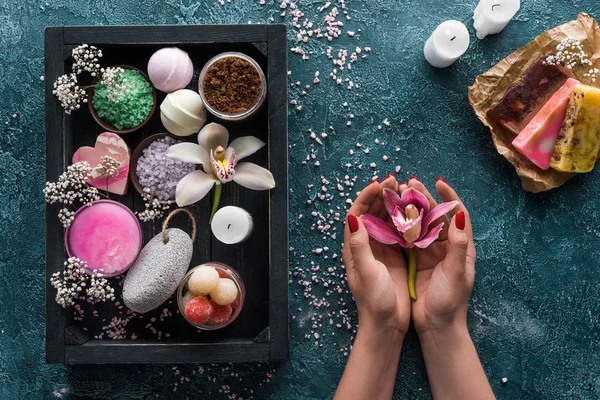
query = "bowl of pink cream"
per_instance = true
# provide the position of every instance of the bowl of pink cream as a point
(106, 235)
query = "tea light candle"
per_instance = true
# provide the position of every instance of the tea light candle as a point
(491, 16)
(106, 235)
(446, 44)
(232, 225)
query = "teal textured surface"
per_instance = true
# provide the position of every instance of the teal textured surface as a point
(534, 313)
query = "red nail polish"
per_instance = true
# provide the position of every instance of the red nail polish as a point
(404, 183)
(388, 176)
(459, 220)
(373, 181)
(439, 178)
(352, 223)
(415, 178)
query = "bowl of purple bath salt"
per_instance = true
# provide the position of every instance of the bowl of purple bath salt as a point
(153, 171)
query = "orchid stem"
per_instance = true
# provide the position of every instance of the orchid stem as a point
(216, 202)
(412, 272)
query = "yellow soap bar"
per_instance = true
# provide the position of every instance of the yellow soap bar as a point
(578, 143)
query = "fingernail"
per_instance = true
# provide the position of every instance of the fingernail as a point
(373, 181)
(352, 223)
(404, 183)
(388, 176)
(460, 220)
(439, 178)
(415, 178)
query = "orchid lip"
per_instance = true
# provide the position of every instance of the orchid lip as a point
(223, 163)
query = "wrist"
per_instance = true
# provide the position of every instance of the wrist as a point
(447, 335)
(451, 322)
(375, 334)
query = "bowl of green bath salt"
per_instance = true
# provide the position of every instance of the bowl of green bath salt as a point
(124, 105)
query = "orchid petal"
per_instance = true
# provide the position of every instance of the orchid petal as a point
(212, 136)
(189, 153)
(402, 224)
(414, 197)
(224, 169)
(193, 187)
(439, 211)
(391, 201)
(253, 177)
(381, 231)
(430, 237)
(246, 146)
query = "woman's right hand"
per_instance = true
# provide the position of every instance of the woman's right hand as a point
(445, 269)
(445, 275)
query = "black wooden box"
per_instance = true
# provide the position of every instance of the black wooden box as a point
(260, 333)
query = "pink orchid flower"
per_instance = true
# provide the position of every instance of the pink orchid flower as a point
(411, 219)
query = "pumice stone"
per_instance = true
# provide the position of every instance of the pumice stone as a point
(158, 271)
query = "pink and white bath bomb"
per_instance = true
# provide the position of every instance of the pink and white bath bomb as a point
(170, 69)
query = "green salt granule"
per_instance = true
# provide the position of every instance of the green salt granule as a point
(130, 111)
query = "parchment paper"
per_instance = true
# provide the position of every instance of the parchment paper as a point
(490, 87)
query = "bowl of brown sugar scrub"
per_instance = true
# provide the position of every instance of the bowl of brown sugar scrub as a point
(232, 86)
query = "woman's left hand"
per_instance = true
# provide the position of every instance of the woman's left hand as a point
(377, 273)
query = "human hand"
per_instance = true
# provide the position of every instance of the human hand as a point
(446, 268)
(377, 273)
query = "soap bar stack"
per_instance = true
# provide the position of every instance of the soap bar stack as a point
(555, 117)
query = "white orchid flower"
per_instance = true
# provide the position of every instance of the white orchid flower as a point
(219, 165)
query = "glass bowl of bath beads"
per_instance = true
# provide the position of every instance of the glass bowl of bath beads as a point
(211, 296)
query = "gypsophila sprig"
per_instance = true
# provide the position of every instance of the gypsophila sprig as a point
(108, 166)
(86, 59)
(99, 289)
(71, 284)
(569, 52)
(71, 190)
(593, 74)
(69, 94)
(66, 216)
(116, 85)
(155, 208)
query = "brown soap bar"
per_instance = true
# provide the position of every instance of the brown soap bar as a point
(523, 100)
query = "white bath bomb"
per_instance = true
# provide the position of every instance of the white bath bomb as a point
(203, 280)
(170, 69)
(225, 292)
(158, 271)
(182, 112)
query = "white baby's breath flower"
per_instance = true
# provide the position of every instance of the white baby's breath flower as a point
(70, 188)
(154, 207)
(69, 93)
(116, 85)
(86, 59)
(70, 285)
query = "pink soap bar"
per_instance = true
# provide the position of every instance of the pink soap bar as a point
(537, 140)
(107, 144)
(106, 235)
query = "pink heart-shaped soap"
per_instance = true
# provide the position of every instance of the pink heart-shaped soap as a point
(107, 144)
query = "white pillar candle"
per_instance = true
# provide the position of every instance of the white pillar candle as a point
(446, 44)
(491, 16)
(232, 225)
